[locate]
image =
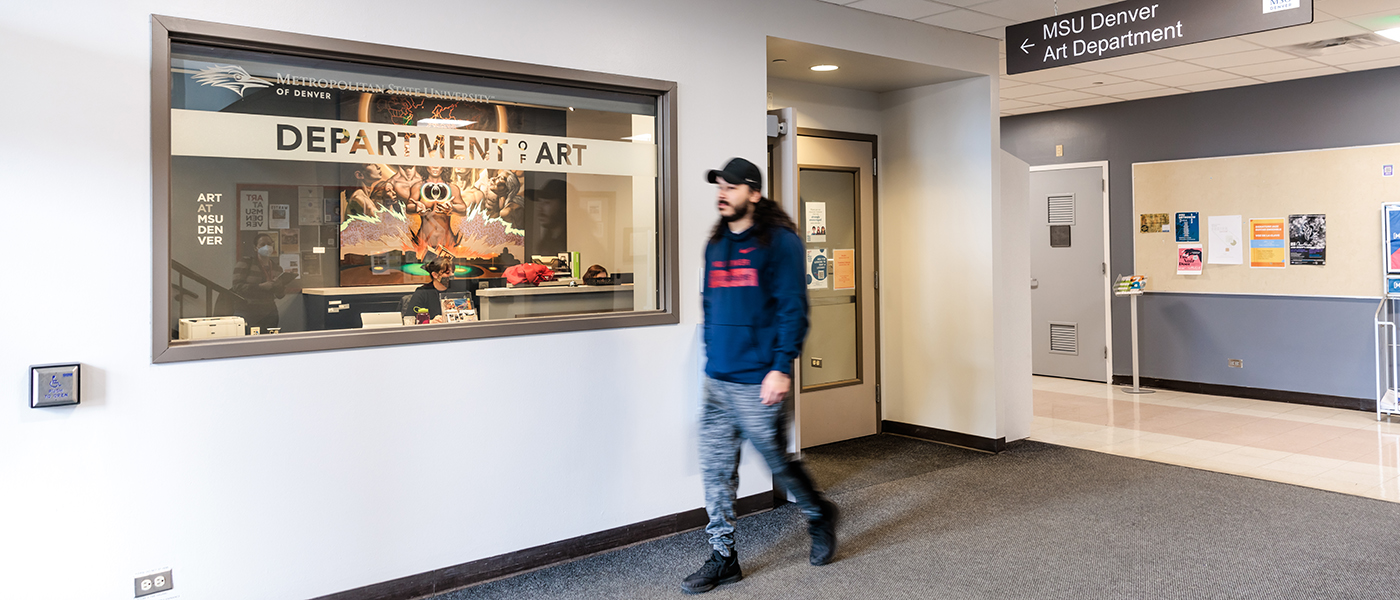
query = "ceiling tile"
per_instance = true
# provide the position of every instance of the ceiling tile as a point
(1319, 72)
(1125, 88)
(1373, 64)
(1014, 104)
(1242, 58)
(1162, 70)
(995, 32)
(1216, 85)
(1377, 21)
(1086, 102)
(1356, 56)
(966, 20)
(1270, 68)
(1087, 82)
(1018, 11)
(1151, 94)
(1206, 76)
(1059, 96)
(1131, 61)
(963, 3)
(1203, 49)
(1302, 34)
(904, 9)
(1352, 8)
(1027, 90)
(1054, 74)
(1007, 82)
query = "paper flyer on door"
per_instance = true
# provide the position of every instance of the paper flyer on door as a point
(1392, 237)
(817, 269)
(1189, 259)
(844, 270)
(816, 221)
(1268, 243)
(1156, 223)
(1226, 240)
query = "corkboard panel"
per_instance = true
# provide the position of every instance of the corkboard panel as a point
(1346, 184)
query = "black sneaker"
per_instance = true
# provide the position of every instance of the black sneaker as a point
(717, 571)
(823, 532)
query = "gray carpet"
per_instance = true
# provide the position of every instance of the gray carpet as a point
(1038, 521)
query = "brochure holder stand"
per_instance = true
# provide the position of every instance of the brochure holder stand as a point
(1387, 350)
(1132, 286)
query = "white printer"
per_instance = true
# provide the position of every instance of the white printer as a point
(203, 328)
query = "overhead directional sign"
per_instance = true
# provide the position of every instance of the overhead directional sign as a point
(1140, 26)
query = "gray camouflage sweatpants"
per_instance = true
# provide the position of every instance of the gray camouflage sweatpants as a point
(732, 413)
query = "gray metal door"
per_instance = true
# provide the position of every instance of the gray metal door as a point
(1068, 274)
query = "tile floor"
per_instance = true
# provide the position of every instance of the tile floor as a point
(1345, 451)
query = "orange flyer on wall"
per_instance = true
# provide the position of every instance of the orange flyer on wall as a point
(1268, 243)
(845, 273)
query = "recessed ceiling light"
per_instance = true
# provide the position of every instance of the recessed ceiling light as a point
(824, 67)
(1392, 33)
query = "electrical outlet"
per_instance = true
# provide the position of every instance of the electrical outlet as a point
(1059, 150)
(154, 583)
(817, 363)
(1236, 363)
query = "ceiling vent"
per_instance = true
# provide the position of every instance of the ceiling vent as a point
(1335, 45)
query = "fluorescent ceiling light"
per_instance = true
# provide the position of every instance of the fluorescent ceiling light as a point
(1392, 33)
(641, 137)
(824, 67)
(444, 123)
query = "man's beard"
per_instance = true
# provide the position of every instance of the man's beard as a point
(738, 214)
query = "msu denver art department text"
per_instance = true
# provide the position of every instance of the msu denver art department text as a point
(1098, 20)
(332, 139)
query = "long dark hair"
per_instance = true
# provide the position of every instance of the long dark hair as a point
(767, 216)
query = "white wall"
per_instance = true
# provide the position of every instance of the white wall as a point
(936, 255)
(827, 107)
(1012, 303)
(299, 475)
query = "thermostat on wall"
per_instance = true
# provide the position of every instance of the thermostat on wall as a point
(53, 385)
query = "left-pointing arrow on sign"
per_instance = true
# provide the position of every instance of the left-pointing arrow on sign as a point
(1026, 44)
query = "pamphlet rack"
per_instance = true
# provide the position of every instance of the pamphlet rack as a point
(1387, 358)
(1132, 287)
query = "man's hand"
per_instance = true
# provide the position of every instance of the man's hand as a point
(439, 319)
(775, 387)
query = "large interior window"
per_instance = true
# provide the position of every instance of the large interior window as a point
(313, 197)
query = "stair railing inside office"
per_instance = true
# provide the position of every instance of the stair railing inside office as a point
(182, 296)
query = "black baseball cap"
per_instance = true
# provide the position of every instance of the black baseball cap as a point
(738, 171)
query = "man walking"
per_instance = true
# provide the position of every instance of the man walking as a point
(755, 303)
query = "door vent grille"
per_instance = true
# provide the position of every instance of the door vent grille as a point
(1061, 209)
(1064, 338)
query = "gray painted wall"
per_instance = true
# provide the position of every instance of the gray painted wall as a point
(1320, 346)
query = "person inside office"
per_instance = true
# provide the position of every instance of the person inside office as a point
(429, 295)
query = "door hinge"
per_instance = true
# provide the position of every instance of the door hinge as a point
(1105, 352)
(875, 167)
(1103, 268)
(877, 280)
(1103, 185)
(877, 393)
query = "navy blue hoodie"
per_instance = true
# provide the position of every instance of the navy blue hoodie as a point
(755, 305)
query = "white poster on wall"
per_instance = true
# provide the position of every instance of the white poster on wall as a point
(253, 206)
(1226, 241)
(309, 204)
(817, 260)
(816, 221)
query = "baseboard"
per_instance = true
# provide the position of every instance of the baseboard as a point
(1234, 391)
(446, 579)
(942, 436)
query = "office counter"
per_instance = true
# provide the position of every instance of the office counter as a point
(543, 301)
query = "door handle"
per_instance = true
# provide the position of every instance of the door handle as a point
(1035, 284)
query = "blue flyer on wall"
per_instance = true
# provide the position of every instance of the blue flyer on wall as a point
(1188, 227)
(1392, 237)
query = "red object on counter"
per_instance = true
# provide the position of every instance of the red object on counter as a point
(531, 273)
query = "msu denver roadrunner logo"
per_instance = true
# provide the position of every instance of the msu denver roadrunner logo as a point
(230, 77)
